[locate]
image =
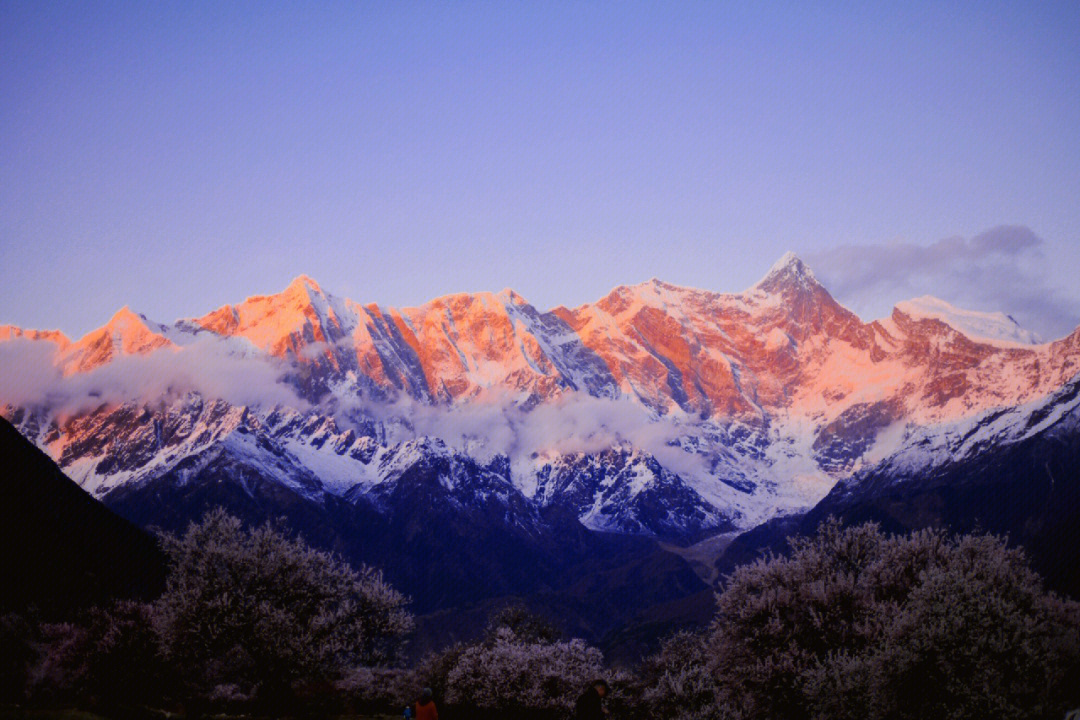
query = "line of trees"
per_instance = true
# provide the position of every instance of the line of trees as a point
(852, 623)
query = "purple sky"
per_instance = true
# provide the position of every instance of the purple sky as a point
(177, 156)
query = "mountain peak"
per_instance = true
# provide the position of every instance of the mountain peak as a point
(281, 323)
(304, 282)
(125, 316)
(789, 263)
(787, 271)
(127, 326)
(126, 333)
(512, 297)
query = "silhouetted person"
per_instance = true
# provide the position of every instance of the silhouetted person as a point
(589, 705)
(424, 709)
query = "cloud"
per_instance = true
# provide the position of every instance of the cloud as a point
(29, 377)
(1004, 269)
(575, 422)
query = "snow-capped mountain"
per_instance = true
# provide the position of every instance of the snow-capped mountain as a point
(657, 410)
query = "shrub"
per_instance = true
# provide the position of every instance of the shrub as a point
(107, 657)
(376, 689)
(520, 667)
(525, 625)
(510, 674)
(677, 683)
(434, 670)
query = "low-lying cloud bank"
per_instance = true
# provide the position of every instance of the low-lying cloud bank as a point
(28, 377)
(576, 422)
(1003, 269)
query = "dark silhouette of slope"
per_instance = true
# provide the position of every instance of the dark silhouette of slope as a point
(60, 549)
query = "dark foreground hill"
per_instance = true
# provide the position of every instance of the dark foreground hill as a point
(60, 549)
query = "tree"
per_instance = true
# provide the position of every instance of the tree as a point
(973, 637)
(857, 624)
(779, 618)
(253, 612)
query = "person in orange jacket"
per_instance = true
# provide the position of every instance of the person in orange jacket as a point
(424, 708)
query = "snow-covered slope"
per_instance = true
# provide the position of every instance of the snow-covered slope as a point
(657, 409)
(992, 328)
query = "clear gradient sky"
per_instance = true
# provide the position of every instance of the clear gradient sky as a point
(177, 156)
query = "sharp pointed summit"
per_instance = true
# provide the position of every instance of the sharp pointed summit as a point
(304, 283)
(125, 317)
(512, 296)
(787, 271)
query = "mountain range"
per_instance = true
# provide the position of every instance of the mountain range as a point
(479, 448)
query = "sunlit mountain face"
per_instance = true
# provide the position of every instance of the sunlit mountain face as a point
(656, 412)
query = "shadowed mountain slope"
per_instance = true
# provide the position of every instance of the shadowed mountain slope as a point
(62, 549)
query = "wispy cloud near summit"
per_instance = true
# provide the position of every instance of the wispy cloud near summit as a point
(1003, 268)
